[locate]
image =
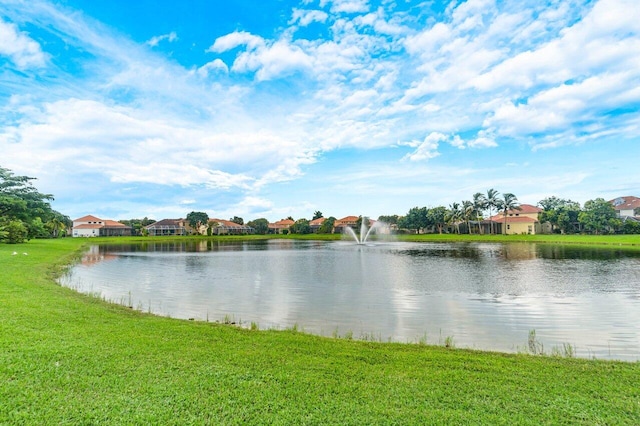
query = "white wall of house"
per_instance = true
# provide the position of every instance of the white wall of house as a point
(84, 232)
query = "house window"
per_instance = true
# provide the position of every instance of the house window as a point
(508, 226)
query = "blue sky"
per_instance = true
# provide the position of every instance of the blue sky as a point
(280, 108)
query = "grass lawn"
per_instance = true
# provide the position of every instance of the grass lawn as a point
(67, 358)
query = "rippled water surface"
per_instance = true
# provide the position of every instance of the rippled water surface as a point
(484, 296)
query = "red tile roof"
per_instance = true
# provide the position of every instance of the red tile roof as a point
(317, 221)
(526, 209)
(114, 224)
(88, 226)
(626, 203)
(88, 218)
(226, 223)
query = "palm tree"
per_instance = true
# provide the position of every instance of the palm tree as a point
(468, 213)
(492, 201)
(454, 214)
(508, 202)
(480, 205)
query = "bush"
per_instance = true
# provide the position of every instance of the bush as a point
(631, 227)
(14, 232)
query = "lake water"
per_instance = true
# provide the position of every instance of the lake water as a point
(484, 296)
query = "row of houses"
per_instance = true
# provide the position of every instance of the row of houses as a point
(92, 226)
(523, 221)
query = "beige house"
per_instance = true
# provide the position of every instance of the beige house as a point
(280, 226)
(523, 221)
(225, 227)
(340, 224)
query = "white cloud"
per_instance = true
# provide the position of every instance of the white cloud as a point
(23, 51)
(273, 61)
(426, 149)
(346, 6)
(217, 65)
(235, 39)
(154, 41)
(304, 17)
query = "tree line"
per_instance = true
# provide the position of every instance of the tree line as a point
(26, 213)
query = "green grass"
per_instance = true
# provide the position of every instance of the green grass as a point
(67, 358)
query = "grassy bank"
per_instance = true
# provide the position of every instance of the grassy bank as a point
(70, 358)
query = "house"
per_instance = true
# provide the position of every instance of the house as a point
(168, 227)
(92, 226)
(627, 206)
(315, 224)
(280, 226)
(225, 227)
(523, 221)
(340, 224)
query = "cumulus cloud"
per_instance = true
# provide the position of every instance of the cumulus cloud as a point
(154, 41)
(304, 17)
(426, 149)
(235, 39)
(346, 6)
(217, 65)
(23, 51)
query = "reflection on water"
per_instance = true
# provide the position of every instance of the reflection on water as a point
(487, 296)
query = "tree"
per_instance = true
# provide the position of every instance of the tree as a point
(58, 224)
(138, 225)
(492, 201)
(317, 215)
(238, 220)
(436, 217)
(560, 213)
(468, 213)
(415, 219)
(301, 226)
(261, 225)
(21, 201)
(327, 225)
(390, 219)
(508, 202)
(14, 231)
(197, 219)
(598, 216)
(480, 205)
(453, 216)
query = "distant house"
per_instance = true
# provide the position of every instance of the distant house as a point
(91, 226)
(168, 227)
(226, 227)
(523, 221)
(349, 221)
(627, 206)
(315, 224)
(280, 226)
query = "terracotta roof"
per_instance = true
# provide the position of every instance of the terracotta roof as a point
(88, 226)
(283, 222)
(88, 218)
(317, 221)
(526, 208)
(626, 203)
(114, 224)
(227, 223)
(513, 219)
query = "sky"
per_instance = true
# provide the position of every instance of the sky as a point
(281, 108)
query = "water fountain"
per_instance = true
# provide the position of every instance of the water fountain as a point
(365, 231)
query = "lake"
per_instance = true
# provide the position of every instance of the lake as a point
(480, 295)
